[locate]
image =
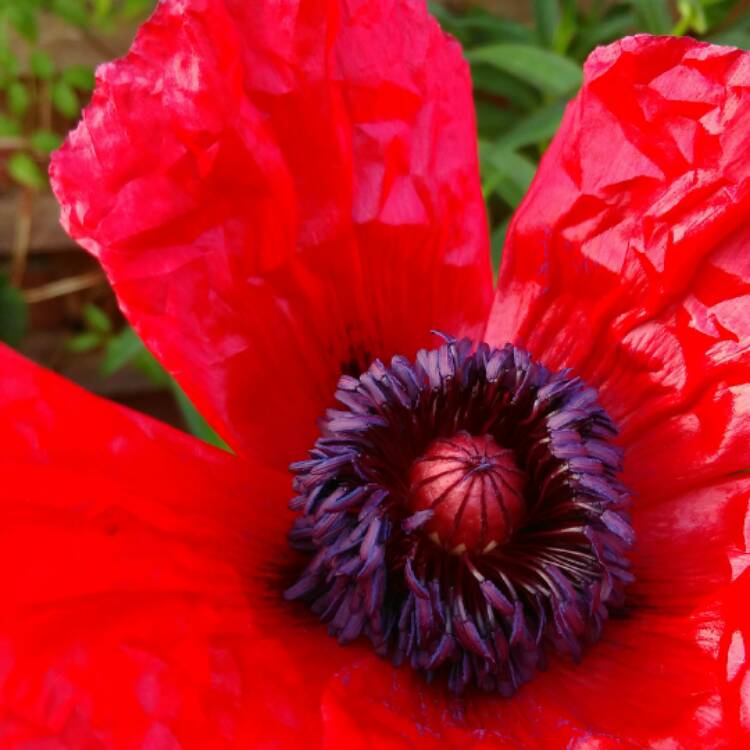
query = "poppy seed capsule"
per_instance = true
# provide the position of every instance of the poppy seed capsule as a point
(474, 489)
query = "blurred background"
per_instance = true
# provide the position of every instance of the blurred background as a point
(55, 305)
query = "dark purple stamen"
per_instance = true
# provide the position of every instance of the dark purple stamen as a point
(463, 513)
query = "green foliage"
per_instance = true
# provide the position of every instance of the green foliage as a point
(14, 314)
(123, 348)
(525, 74)
(119, 350)
(36, 92)
(653, 16)
(22, 18)
(74, 12)
(79, 77)
(65, 99)
(84, 342)
(547, 71)
(17, 97)
(25, 171)
(509, 173)
(136, 8)
(39, 101)
(44, 142)
(96, 320)
(194, 419)
(41, 65)
(8, 127)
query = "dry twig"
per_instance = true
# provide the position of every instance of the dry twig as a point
(63, 287)
(22, 238)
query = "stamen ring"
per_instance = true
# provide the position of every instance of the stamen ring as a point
(463, 512)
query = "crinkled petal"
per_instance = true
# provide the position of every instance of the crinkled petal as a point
(690, 546)
(628, 261)
(279, 192)
(672, 672)
(632, 690)
(143, 607)
(142, 576)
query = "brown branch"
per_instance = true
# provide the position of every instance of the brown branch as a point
(22, 238)
(98, 44)
(13, 143)
(63, 287)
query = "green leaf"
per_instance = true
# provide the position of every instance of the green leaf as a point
(497, 242)
(18, 98)
(654, 15)
(733, 38)
(489, 80)
(45, 141)
(102, 9)
(567, 28)
(23, 20)
(9, 66)
(71, 11)
(492, 120)
(194, 420)
(132, 9)
(692, 16)
(84, 342)
(547, 71)
(79, 77)
(96, 319)
(42, 65)
(485, 27)
(14, 314)
(150, 367)
(507, 173)
(121, 350)
(9, 127)
(547, 18)
(717, 11)
(478, 26)
(537, 127)
(614, 26)
(126, 348)
(65, 99)
(25, 171)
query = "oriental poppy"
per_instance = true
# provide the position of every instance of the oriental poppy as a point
(522, 510)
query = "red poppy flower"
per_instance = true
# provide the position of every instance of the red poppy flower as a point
(282, 193)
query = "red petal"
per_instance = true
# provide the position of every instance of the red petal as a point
(142, 576)
(627, 260)
(278, 190)
(689, 547)
(673, 673)
(143, 609)
(636, 688)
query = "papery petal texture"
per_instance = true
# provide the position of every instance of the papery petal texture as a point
(628, 263)
(279, 192)
(142, 585)
(671, 673)
(142, 608)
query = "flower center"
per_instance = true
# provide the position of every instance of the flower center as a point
(463, 513)
(474, 489)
